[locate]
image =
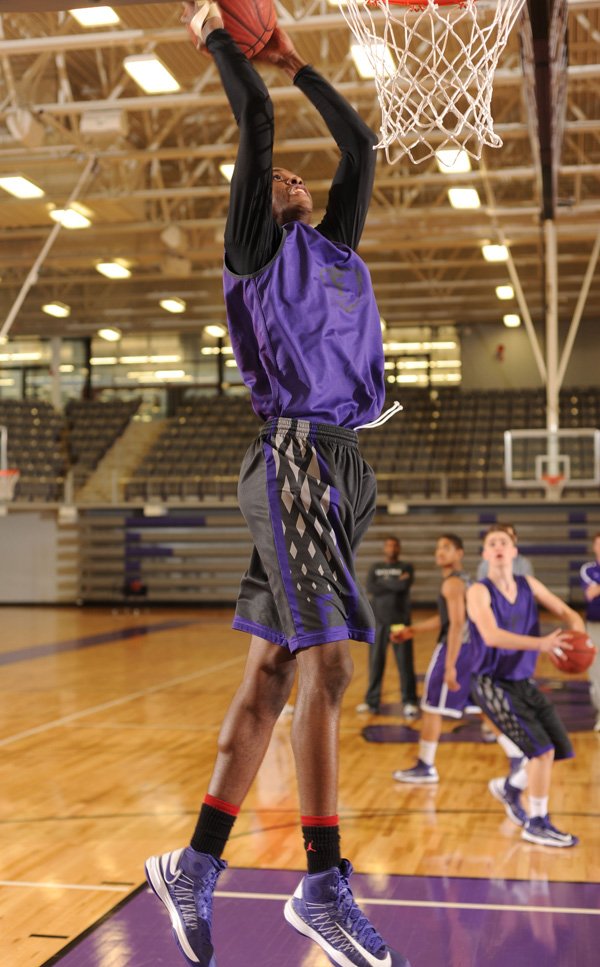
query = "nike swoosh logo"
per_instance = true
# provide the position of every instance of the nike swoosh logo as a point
(370, 959)
(172, 870)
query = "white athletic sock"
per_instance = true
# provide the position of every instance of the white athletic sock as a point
(427, 751)
(538, 806)
(513, 751)
(519, 779)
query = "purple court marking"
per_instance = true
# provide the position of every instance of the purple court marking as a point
(572, 700)
(250, 931)
(75, 644)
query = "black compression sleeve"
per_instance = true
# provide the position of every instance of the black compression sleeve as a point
(252, 236)
(351, 189)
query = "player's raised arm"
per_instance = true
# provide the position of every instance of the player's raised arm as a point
(555, 605)
(352, 185)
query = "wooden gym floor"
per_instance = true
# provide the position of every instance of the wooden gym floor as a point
(108, 724)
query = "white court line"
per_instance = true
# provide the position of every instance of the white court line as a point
(69, 886)
(66, 719)
(380, 902)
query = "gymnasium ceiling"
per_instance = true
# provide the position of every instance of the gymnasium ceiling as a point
(163, 171)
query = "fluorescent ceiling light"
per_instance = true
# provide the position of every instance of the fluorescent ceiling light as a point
(417, 346)
(372, 59)
(464, 198)
(57, 309)
(95, 17)
(226, 170)
(505, 292)
(231, 363)
(110, 334)
(66, 368)
(445, 378)
(170, 374)
(21, 187)
(7, 382)
(150, 74)
(173, 305)
(72, 217)
(217, 331)
(103, 360)
(134, 360)
(113, 270)
(407, 378)
(512, 320)
(494, 253)
(452, 161)
(19, 357)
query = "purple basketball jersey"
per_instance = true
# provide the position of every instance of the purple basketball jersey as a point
(306, 333)
(520, 617)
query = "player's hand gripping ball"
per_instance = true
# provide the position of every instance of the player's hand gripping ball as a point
(578, 657)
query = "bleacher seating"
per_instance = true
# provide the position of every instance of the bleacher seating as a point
(36, 447)
(447, 445)
(199, 453)
(94, 425)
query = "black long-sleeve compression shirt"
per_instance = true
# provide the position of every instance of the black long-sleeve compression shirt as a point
(252, 236)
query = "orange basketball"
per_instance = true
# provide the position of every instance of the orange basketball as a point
(250, 23)
(579, 658)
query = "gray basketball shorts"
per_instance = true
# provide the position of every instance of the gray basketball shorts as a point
(523, 713)
(308, 498)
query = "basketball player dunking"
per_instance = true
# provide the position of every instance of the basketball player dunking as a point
(503, 615)
(306, 335)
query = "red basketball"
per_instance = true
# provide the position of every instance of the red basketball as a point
(250, 23)
(580, 657)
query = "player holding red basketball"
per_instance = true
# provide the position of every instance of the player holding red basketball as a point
(503, 616)
(590, 582)
(306, 335)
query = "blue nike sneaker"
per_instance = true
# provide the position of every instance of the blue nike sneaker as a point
(510, 797)
(540, 830)
(323, 909)
(185, 882)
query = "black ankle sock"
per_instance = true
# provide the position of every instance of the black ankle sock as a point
(213, 827)
(322, 845)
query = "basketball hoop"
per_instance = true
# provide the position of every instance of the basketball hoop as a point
(8, 482)
(554, 483)
(435, 90)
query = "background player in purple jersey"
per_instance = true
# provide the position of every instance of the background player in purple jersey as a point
(503, 615)
(590, 582)
(448, 678)
(306, 334)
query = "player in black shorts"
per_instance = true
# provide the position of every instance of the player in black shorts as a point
(306, 335)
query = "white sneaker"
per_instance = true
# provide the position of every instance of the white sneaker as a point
(411, 711)
(597, 725)
(363, 709)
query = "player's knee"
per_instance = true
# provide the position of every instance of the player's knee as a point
(265, 693)
(332, 680)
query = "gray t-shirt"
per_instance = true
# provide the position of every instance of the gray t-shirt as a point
(522, 567)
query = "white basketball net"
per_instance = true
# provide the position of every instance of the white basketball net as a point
(436, 90)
